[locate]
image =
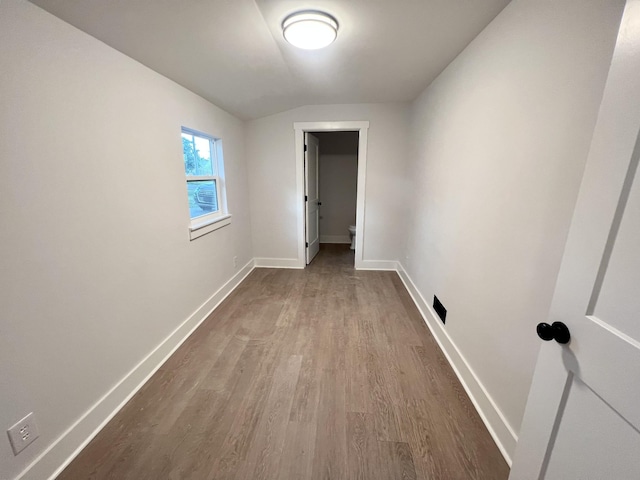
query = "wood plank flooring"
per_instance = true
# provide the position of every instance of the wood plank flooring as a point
(322, 373)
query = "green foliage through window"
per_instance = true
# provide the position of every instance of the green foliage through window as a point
(198, 153)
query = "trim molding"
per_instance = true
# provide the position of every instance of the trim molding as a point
(67, 446)
(388, 265)
(502, 433)
(362, 127)
(377, 265)
(279, 263)
(335, 239)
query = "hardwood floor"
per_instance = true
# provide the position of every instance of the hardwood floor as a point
(322, 373)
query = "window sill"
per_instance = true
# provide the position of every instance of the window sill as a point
(200, 228)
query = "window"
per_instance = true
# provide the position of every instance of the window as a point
(205, 182)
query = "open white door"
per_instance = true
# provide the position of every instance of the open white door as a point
(582, 419)
(312, 214)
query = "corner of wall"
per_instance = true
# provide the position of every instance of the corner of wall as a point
(500, 430)
(50, 463)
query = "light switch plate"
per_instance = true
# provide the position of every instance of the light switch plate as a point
(23, 433)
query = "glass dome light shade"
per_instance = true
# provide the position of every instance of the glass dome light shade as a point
(310, 30)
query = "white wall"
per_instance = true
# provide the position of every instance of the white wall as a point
(338, 177)
(500, 139)
(96, 263)
(95, 252)
(272, 177)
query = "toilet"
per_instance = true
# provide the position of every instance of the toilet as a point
(352, 234)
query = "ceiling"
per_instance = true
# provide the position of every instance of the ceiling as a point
(232, 52)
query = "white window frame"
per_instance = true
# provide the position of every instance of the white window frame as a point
(208, 222)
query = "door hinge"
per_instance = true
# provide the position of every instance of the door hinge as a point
(306, 199)
(307, 244)
(305, 148)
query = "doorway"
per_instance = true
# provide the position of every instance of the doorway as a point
(338, 181)
(303, 210)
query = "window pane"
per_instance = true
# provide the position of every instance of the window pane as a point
(198, 158)
(203, 146)
(203, 197)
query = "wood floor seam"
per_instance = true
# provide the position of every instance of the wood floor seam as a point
(325, 373)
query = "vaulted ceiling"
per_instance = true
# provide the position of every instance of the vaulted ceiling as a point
(232, 52)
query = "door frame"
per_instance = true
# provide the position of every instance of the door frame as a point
(362, 128)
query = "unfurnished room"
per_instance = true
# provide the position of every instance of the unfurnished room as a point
(337, 240)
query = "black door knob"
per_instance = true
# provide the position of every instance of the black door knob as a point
(557, 331)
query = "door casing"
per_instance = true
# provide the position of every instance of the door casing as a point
(362, 128)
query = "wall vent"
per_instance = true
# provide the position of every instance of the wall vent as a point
(439, 308)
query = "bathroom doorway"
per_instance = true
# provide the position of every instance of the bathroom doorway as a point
(338, 182)
(330, 209)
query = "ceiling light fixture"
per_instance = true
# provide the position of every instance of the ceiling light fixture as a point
(310, 29)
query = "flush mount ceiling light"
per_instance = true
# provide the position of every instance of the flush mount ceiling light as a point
(310, 29)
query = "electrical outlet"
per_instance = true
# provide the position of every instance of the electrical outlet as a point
(23, 433)
(235, 262)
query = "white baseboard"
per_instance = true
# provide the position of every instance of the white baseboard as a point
(335, 239)
(377, 265)
(65, 448)
(279, 263)
(502, 433)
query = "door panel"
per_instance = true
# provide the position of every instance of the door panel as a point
(312, 217)
(594, 438)
(619, 298)
(582, 419)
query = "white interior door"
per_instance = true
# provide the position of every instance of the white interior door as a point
(312, 213)
(582, 419)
